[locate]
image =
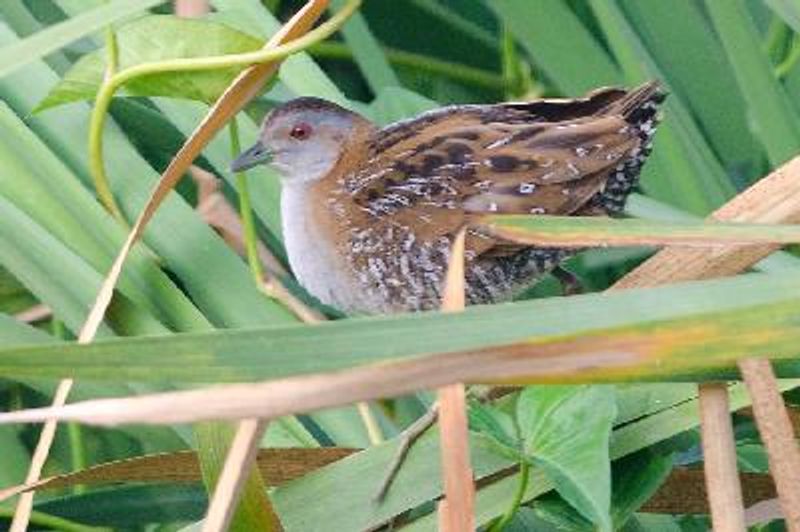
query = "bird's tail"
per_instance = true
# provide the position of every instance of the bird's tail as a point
(639, 107)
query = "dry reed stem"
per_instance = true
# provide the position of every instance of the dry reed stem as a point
(34, 314)
(457, 510)
(773, 419)
(773, 199)
(191, 8)
(238, 463)
(722, 481)
(236, 96)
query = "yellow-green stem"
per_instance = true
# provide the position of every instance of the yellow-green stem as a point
(111, 85)
(524, 475)
(246, 210)
(456, 71)
(785, 66)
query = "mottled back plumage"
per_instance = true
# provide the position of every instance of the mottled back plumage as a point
(394, 199)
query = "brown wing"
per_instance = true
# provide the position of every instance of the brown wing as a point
(545, 157)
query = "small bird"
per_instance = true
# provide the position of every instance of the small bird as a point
(369, 214)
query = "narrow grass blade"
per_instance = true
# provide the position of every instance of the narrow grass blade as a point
(774, 119)
(566, 231)
(367, 53)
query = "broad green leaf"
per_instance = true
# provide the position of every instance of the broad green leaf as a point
(155, 38)
(565, 431)
(42, 43)
(498, 427)
(635, 479)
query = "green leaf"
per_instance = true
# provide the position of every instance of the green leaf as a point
(47, 41)
(156, 38)
(789, 11)
(773, 118)
(395, 103)
(683, 167)
(498, 427)
(587, 231)
(723, 313)
(565, 431)
(559, 43)
(367, 52)
(673, 32)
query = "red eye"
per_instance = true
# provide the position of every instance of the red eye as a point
(300, 131)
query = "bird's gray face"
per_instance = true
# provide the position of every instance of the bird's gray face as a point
(302, 139)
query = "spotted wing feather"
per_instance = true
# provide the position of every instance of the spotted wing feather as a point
(546, 157)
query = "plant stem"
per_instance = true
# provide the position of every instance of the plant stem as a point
(453, 18)
(785, 66)
(463, 73)
(193, 64)
(524, 475)
(52, 522)
(246, 210)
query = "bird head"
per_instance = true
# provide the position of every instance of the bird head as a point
(302, 139)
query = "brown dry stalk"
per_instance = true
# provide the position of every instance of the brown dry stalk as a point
(457, 510)
(773, 199)
(246, 86)
(722, 482)
(191, 8)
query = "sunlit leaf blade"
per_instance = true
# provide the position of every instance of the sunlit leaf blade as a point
(565, 431)
(154, 38)
(40, 44)
(274, 352)
(569, 231)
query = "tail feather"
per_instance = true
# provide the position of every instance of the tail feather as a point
(639, 107)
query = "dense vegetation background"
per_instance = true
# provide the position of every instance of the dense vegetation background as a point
(731, 67)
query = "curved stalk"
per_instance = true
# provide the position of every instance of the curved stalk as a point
(524, 475)
(195, 64)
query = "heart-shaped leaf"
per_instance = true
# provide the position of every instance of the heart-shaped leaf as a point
(565, 431)
(157, 38)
